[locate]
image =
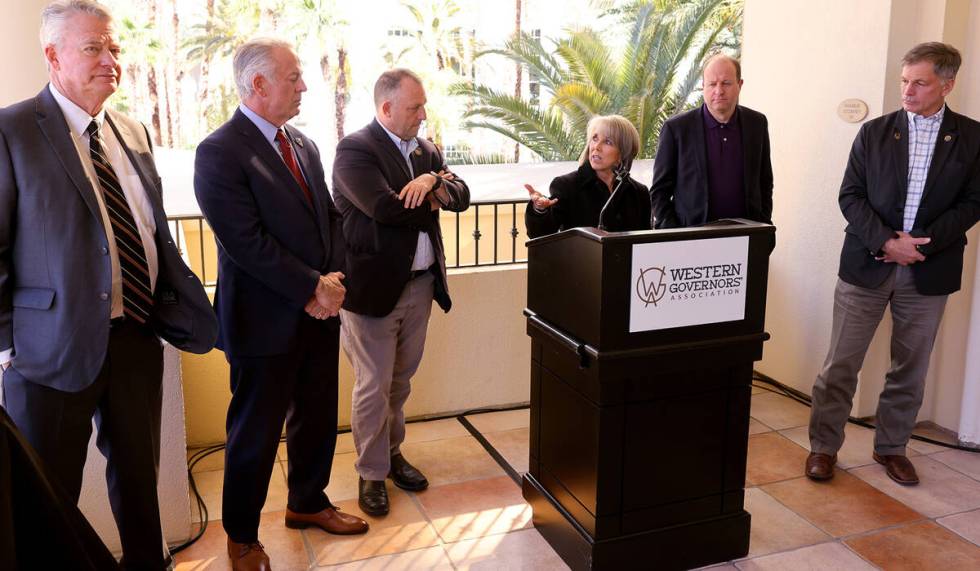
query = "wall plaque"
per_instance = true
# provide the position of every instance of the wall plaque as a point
(852, 110)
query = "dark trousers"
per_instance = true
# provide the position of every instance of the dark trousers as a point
(125, 400)
(300, 388)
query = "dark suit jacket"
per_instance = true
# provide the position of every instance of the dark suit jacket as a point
(872, 198)
(273, 245)
(368, 174)
(55, 272)
(679, 191)
(581, 197)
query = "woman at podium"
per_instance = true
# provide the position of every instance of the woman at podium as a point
(600, 192)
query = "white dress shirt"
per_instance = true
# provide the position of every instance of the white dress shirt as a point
(424, 254)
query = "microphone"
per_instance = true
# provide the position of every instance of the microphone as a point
(621, 173)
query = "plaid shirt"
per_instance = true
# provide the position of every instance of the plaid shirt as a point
(923, 132)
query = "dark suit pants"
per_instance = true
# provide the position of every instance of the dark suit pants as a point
(300, 388)
(125, 400)
(857, 313)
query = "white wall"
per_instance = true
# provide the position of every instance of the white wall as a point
(800, 59)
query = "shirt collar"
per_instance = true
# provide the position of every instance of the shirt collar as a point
(267, 129)
(77, 118)
(711, 123)
(936, 117)
(412, 143)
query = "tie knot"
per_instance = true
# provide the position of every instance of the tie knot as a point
(93, 129)
(281, 136)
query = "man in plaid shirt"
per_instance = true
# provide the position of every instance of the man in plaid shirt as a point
(910, 193)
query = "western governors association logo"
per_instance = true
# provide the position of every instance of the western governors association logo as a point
(650, 286)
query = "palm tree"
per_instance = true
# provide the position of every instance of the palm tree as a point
(655, 76)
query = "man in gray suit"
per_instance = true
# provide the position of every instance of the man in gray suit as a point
(90, 279)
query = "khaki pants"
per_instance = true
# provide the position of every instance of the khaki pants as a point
(857, 313)
(385, 352)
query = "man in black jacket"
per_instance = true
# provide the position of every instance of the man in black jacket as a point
(390, 184)
(910, 192)
(713, 161)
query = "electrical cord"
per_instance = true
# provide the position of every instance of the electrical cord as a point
(803, 398)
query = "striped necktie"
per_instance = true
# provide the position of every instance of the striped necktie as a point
(137, 296)
(291, 164)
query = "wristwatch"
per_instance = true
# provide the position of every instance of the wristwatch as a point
(438, 182)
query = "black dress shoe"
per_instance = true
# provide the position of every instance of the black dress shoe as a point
(406, 476)
(372, 496)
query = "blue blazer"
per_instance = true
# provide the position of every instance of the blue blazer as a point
(273, 245)
(55, 271)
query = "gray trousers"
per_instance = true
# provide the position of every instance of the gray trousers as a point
(385, 352)
(857, 313)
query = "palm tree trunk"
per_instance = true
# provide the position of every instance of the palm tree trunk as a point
(203, 94)
(341, 92)
(519, 69)
(151, 80)
(178, 76)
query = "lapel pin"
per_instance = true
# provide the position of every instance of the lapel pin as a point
(417, 152)
(898, 135)
(299, 142)
(948, 138)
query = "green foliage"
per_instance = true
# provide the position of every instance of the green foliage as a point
(654, 76)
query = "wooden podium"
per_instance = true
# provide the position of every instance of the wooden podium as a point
(642, 345)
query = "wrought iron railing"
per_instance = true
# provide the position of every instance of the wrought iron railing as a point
(489, 233)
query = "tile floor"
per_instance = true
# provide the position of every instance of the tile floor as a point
(473, 515)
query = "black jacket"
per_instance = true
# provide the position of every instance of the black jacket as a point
(872, 198)
(679, 191)
(581, 196)
(381, 234)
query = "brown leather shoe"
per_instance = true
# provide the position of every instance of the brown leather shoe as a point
(820, 466)
(898, 468)
(248, 556)
(330, 520)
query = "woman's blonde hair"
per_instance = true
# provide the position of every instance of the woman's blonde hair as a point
(622, 133)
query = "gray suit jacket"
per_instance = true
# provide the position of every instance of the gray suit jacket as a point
(55, 268)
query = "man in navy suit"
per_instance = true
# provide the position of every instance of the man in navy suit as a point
(261, 186)
(90, 279)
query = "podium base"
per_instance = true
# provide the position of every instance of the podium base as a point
(685, 546)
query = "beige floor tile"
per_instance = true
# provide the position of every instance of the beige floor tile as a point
(817, 557)
(403, 529)
(779, 412)
(776, 527)
(933, 433)
(941, 490)
(857, 448)
(772, 458)
(842, 506)
(441, 429)
(725, 567)
(756, 427)
(517, 551)
(209, 485)
(284, 547)
(922, 545)
(451, 460)
(966, 524)
(343, 478)
(213, 461)
(475, 508)
(964, 462)
(513, 445)
(429, 559)
(758, 390)
(499, 421)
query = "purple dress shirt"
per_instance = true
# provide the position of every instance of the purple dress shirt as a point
(726, 166)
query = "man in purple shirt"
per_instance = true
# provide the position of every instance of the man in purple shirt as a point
(713, 162)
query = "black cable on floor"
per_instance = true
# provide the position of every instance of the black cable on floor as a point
(497, 457)
(803, 398)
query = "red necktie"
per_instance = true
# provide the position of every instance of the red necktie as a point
(287, 156)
